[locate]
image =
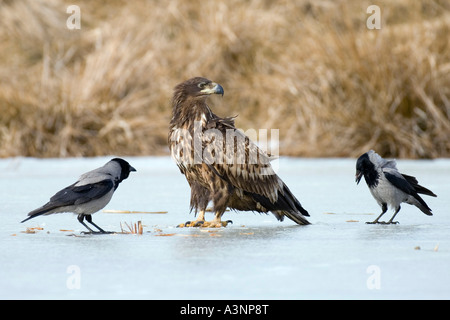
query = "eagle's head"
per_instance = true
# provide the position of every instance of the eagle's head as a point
(189, 100)
(197, 87)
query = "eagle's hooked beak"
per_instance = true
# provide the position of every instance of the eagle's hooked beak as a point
(218, 89)
(358, 176)
(213, 88)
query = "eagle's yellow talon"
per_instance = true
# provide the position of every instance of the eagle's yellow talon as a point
(199, 223)
(204, 224)
(225, 223)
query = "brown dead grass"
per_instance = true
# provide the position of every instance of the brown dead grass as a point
(309, 68)
(133, 228)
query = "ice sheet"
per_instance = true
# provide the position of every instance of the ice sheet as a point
(257, 257)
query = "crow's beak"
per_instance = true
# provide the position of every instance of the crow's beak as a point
(358, 176)
(132, 169)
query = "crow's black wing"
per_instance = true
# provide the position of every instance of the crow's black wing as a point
(73, 195)
(415, 184)
(398, 181)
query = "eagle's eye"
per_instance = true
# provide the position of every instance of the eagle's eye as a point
(202, 85)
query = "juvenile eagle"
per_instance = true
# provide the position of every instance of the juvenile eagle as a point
(220, 163)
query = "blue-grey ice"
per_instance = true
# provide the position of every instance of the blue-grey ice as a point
(338, 256)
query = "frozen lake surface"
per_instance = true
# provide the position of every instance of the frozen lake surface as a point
(338, 256)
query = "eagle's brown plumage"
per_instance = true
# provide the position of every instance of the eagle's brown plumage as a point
(220, 163)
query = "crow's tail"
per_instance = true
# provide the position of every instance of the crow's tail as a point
(37, 212)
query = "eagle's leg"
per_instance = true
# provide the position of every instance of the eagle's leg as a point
(200, 197)
(220, 197)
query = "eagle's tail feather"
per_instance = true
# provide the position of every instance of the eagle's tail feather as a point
(294, 216)
(296, 213)
(286, 205)
(292, 200)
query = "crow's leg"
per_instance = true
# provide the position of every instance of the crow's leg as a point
(384, 209)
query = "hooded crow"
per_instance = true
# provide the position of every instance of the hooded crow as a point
(388, 186)
(89, 194)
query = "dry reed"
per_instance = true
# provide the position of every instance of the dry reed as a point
(135, 228)
(311, 69)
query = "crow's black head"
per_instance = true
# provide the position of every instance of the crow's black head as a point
(125, 167)
(365, 167)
